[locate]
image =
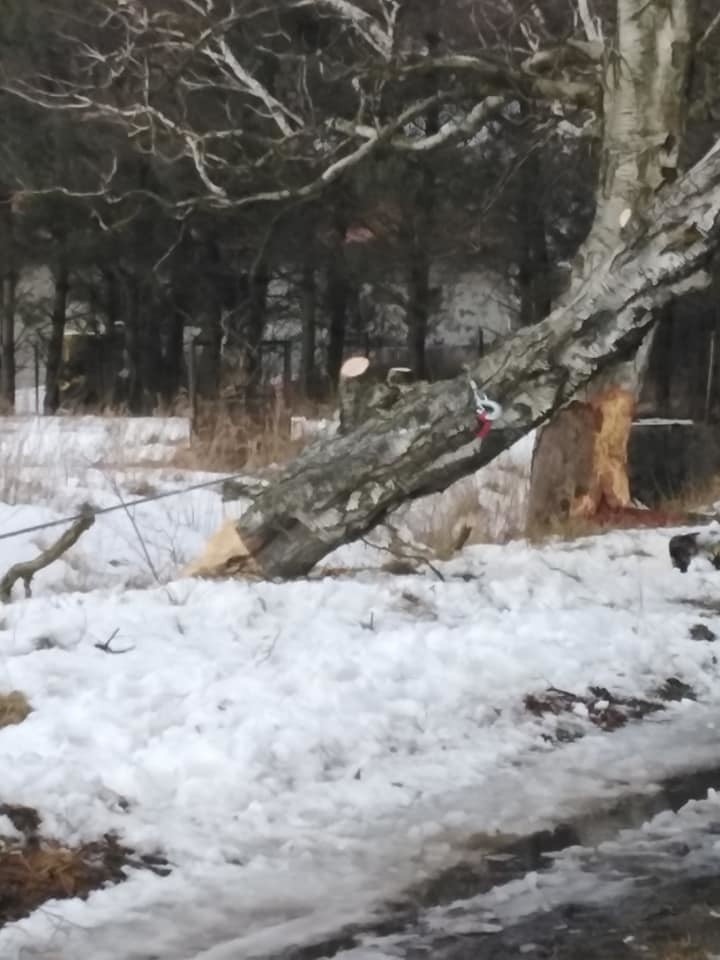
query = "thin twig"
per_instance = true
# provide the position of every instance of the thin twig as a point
(404, 554)
(106, 646)
(714, 25)
(118, 493)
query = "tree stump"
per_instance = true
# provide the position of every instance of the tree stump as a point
(580, 461)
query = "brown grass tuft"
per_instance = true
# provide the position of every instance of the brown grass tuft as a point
(14, 708)
(32, 874)
(698, 497)
(627, 518)
(34, 870)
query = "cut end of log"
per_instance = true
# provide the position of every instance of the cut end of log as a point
(354, 367)
(225, 555)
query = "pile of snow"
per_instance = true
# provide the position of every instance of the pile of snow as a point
(299, 751)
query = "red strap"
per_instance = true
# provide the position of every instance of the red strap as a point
(483, 425)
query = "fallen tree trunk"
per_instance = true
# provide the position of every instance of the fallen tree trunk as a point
(340, 488)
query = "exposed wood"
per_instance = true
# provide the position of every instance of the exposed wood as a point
(26, 569)
(580, 461)
(608, 484)
(339, 488)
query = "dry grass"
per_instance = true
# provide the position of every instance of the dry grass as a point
(14, 708)
(23, 482)
(563, 528)
(475, 510)
(34, 870)
(667, 514)
(32, 876)
(139, 486)
(684, 949)
(697, 498)
(224, 441)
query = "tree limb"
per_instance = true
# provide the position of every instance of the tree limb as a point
(499, 78)
(26, 569)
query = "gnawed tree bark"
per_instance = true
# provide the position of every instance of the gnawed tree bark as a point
(340, 488)
(580, 466)
(643, 126)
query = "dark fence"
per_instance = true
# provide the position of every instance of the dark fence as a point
(92, 377)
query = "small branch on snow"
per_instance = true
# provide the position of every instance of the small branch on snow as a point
(143, 545)
(400, 549)
(26, 569)
(106, 647)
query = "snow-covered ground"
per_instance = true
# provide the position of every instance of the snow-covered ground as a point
(301, 751)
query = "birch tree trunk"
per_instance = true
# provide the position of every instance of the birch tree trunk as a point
(644, 108)
(338, 489)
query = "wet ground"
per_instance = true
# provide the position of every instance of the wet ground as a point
(639, 879)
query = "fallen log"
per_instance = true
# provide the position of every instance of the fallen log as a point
(339, 488)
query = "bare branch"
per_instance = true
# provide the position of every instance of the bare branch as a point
(450, 131)
(712, 27)
(499, 78)
(362, 23)
(225, 57)
(591, 25)
(26, 569)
